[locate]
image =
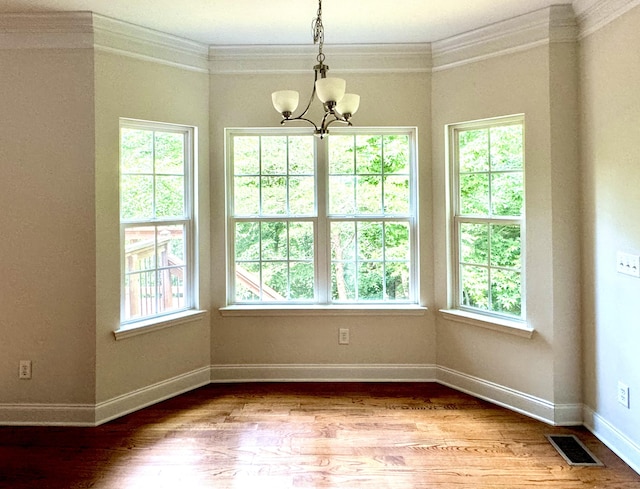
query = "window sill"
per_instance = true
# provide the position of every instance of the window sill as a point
(496, 324)
(158, 323)
(316, 310)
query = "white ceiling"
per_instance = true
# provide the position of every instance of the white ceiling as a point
(253, 22)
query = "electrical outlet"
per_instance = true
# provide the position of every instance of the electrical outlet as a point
(343, 336)
(25, 370)
(623, 394)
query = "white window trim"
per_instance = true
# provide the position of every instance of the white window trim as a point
(189, 312)
(322, 304)
(455, 311)
(158, 323)
(517, 328)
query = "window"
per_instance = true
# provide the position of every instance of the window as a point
(156, 219)
(322, 221)
(488, 216)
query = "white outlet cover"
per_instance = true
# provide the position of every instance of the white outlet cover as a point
(628, 264)
(623, 394)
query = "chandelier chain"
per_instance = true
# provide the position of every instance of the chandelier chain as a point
(317, 30)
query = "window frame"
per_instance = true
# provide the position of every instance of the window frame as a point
(321, 219)
(457, 310)
(187, 221)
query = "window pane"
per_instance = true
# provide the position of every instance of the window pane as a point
(396, 195)
(343, 240)
(302, 278)
(370, 240)
(343, 281)
(302, 196)
(169, 150)
(301, 155)
(136, 151)
(274, 195)
(275, 281)
(247, 241)
(136, 197)
(474, 243)
(370, 281)
(474, 283)
(396, 241)
(301, 246)
(368, 154)
(341, 155)
(474, 195)
(341, 195)
(246, 155)
(246, 196)
(247, 281)
(274, 155)
(507, 190)
(171, 289)
(369, 195)
(506, 292)
(140, 248)
(171, 246)
(506, 147)
(274, 241)
(169, 196)
(505, 246)
(473, 148)
(397, 281)
(140, 295)
(396, 154)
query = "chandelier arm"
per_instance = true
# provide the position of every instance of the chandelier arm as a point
(342, 121)
(299, 118)
(311, 99)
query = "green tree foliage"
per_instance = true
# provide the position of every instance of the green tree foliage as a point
(274, 192)
(369, 177)
(152, 174)
(491, 182)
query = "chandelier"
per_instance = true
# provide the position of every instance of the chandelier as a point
(338, 105)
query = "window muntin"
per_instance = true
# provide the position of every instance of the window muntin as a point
(322, 222)
(156, 209)
(488, 218)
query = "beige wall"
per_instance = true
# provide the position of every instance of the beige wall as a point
(47, 237)
(59, 250)
(610, 137)
(131, 88)
(245, 101)
(505, 85)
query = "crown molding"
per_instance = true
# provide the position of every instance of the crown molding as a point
(555, 24)
(56, 30)
(115, 36)
(346, 58)
(593, 16)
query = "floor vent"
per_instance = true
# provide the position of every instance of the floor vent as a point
(573, 451)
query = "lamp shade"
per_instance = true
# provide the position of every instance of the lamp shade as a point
(330, 89)
(349, 104)
(285, 100)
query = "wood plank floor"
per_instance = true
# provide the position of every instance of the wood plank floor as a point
(345, 435)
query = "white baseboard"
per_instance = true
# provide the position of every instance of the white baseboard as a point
(323, 373)
(608, 434)
(47, 414)
(521, 402)
(141, 398)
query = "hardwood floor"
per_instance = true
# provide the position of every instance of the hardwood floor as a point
(345, 435)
